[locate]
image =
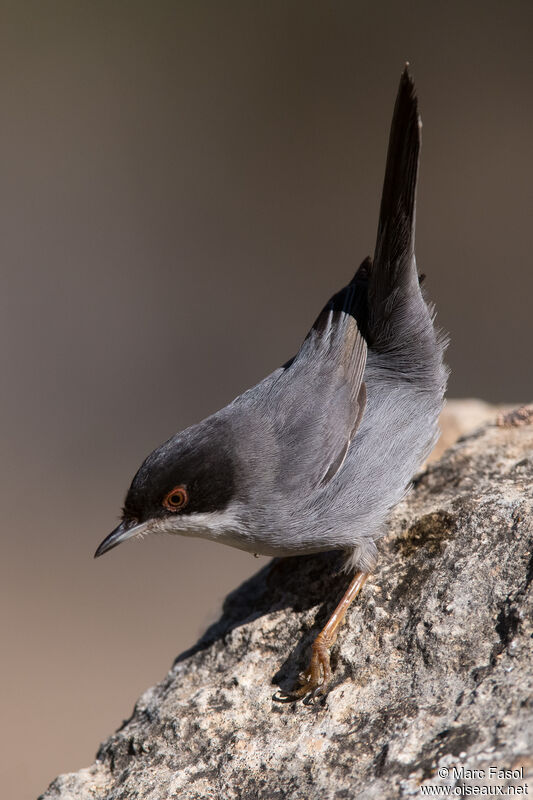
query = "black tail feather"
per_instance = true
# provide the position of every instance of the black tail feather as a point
(393, 259)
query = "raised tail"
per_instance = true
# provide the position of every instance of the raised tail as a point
(393, 277)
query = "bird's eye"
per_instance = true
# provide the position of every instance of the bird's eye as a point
(176, 499)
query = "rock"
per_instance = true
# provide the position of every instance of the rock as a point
(460, 417)
(432, 667)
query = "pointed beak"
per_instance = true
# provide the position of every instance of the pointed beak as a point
(124, 531)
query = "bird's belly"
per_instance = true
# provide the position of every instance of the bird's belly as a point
(276, 542)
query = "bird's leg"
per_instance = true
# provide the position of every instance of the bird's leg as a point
(318, 674)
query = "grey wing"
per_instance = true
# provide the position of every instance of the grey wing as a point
(318, 400)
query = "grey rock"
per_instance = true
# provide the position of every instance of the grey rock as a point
(460, 417)
(432, 667)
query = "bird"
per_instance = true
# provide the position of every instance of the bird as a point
(315, 456)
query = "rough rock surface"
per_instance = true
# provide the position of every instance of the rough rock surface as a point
(432, 667)
(460, 417)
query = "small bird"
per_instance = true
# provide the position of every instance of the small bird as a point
(316, 455)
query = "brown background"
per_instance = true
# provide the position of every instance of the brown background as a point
(183, 185)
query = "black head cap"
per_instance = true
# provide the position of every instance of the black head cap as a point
(200, 461)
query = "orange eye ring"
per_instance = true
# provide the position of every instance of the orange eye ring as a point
(176, 499)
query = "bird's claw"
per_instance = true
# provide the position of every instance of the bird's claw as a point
(315, 679)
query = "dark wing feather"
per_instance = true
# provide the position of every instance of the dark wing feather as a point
(320, 396)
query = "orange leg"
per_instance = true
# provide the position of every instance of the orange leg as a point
(318, 674)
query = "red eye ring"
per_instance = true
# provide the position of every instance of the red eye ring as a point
(176, 499)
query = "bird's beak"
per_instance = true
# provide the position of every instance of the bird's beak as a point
(124, 531)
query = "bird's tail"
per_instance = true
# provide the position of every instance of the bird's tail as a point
(393, 285)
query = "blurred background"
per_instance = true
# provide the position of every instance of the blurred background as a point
(183, 186)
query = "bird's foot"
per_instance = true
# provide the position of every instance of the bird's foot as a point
(318, 674)
(315, 679)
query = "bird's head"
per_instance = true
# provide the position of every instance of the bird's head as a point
(185, 486)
